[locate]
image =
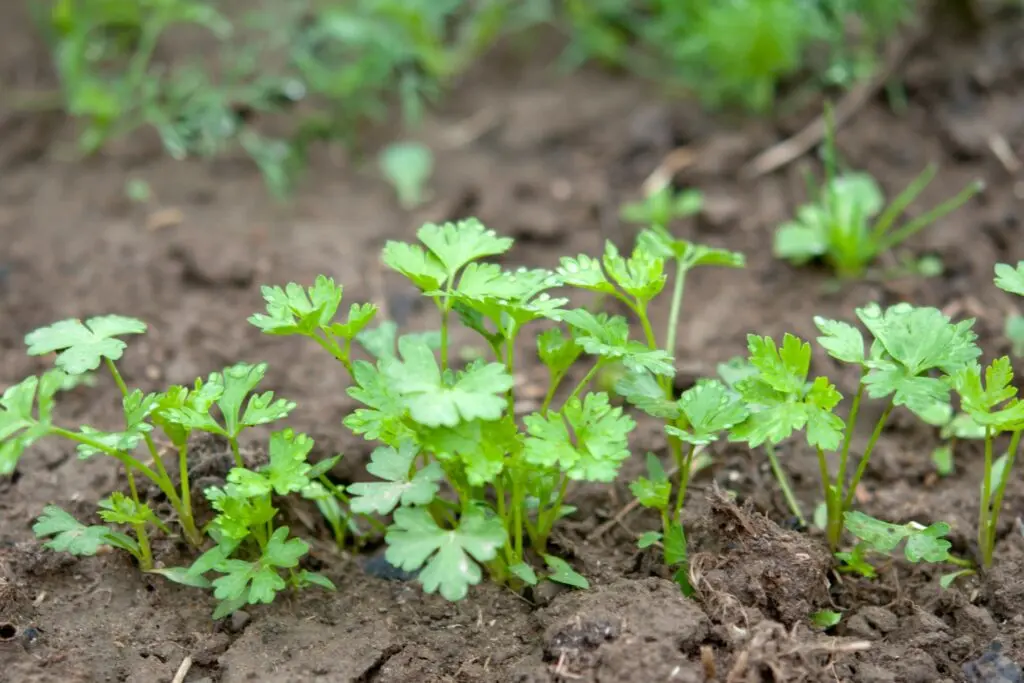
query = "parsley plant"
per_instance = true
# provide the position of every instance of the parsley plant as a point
(849, 224)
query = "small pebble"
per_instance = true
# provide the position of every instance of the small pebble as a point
(378, 567)
(993, 667)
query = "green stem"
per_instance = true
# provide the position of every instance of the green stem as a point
(851, 423)
(556, 381)
(910, 229)
(676, 306)
(546, 520)
(863, 464)
(445, 310)
(510, 397)
(379, 526)
(997, 501)
(984, 531)
(684, 481)
(585, 381)
(517, 519)
(334, 350)
(236, 452)
(185, 518)
(783, 481)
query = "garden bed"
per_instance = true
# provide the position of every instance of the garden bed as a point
(547, 159)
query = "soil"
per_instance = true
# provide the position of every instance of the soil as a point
(547, 158)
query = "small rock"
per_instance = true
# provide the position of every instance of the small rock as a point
(239, 620)
(378, 567)
(993, 667)
(872, 622)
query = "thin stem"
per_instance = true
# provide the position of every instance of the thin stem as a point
(146, 559)
(984, 511)
(334, 350)
(546, 520)
(185, 507)
(445, 310)
(585, 381)
(117, 377)
(676, 306)
(517, 519)
(510, 350)
(379, 526)
(645, 322)
(907, 231)
(236, 452)
(685, 466)
(862, 466)
(997, 501)
(783, 481)
(851, 423)
(556, 381)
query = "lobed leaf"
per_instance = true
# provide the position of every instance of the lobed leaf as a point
(81, 347)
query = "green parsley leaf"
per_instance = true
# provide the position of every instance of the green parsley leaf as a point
(454, 245)
(675, 545)
(231, 387)
(557, 351)
(359, 316)
(843, 341)
(119, 509)
(608, 337)
(780, 400)
(647, 539)
(402, 485)
(238, 512)
(707, 409)
(288, 470)
(922, 543)
(383, 418)
(293, 310)
(415, 539)
(921, 338)
(19, 427)
(584, 272)
(660, 207)
(482, 446)
(81, 347)
(598, 444)
(784, 370)
(642, 275)
(562, 572)
(641, 390)
(524, 572)
(658, 241)
(69, 535)
(655, 490)
(433, 400)
(984, 403)
(825, 618)
(420, 266)
(1010, 279)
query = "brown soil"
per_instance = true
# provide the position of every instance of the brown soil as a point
(548, 159)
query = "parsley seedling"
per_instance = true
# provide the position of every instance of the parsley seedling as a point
(225, 404)
(989, 397)
(250, 552)
(841, 225)
(922, 543)
(909, 345)
(457, 466)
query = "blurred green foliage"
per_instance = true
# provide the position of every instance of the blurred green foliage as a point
(342, 64)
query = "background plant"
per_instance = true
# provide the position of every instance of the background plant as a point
(848, 225)
(335, 67)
